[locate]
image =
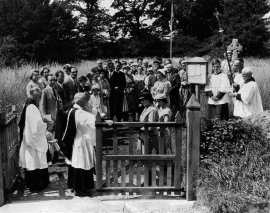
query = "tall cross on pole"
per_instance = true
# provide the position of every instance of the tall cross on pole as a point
(171, 29)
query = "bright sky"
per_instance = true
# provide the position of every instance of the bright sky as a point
(107, 4)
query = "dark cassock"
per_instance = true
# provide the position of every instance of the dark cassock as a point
(118, 83)
(79, 141)
(61, 116)
(34, 147)
(70, 88)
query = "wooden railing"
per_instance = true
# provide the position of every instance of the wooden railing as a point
(9, 146)
(147, 171)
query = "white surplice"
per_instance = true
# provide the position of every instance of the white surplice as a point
(83, 154)
(219, 83)
(237, 105)
(251, 102)
(34, 144)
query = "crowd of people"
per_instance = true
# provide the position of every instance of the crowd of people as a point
(61, 109)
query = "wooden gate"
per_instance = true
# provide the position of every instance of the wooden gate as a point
(132, 171)
(141, 171)
(9, 150)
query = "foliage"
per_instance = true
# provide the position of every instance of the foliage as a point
(43, 31)
(92, 23)
(9, 51)
(242, 19)
(234, 170)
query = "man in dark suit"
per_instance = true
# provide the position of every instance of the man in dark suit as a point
(174, 78)
(61, 117)
(117, 81)
(99, 68)
(70, 86)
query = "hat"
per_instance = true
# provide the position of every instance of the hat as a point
(145, 61)
(247, 71)
(229, 52)
(150, 69)
(126, 67)
(146, 95)
(162, 71)
(168, 66)
(130, 61)
(160, 96)
(134, 64)
(95, 86)
(82, 78)
(183, 62)
(156, 61)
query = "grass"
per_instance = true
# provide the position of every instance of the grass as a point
(13, 81)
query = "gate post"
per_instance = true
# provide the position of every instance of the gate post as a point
(99, 152)
(193, 116)
(2, 132)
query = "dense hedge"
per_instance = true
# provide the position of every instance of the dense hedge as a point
(234, 170)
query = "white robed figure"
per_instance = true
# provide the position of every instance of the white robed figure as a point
(79, 141)
(217, 91)
(248, 98)
(34, 144)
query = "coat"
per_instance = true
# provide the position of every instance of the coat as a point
(70, 87)
(48, 102)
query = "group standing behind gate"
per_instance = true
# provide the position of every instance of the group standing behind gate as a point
(59, 114)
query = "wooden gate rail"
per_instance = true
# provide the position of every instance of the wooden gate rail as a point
(165, 166)
(162, 172)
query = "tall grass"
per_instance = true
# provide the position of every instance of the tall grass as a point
(13, 81)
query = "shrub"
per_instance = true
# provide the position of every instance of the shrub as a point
(234, 169)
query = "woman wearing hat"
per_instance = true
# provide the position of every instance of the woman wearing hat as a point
(162, 85)
(95, 102)
(164, 115)
(149, 114)
(150, 79)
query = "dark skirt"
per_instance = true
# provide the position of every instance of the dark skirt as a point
(80, 180)
(37, 180)
(220, 111)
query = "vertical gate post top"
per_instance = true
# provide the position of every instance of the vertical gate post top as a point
(98, 118)
(193, 103)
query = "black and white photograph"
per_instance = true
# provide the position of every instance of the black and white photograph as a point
(135, 106)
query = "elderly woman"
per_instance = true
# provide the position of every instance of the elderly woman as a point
(34, 144)
(34, 76)
(149, 114)
(162, 85)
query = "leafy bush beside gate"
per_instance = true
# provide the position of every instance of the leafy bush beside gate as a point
(234, 170)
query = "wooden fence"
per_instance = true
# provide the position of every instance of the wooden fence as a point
(143, 171)
(9, 150)
(147, 171)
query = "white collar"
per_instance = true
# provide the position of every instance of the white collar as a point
(77, 106)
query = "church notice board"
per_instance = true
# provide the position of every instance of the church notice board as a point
(197, 71)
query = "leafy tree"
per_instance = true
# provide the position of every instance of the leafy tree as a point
(93, 22)
(43, 31)
(242, 19)
(9, 51)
